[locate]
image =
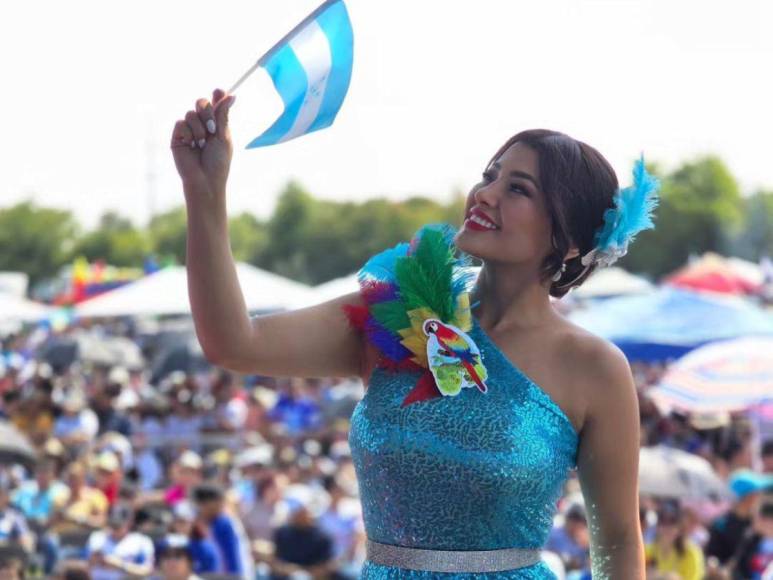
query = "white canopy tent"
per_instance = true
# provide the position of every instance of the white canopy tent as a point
(329, 290)
(15, 308)
(612, 281)
(166, 292)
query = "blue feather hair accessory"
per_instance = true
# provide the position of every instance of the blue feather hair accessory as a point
(632, 213)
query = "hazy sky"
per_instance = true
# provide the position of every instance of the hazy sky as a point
(91, 90)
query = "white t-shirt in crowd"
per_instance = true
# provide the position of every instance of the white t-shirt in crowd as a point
(133, 547)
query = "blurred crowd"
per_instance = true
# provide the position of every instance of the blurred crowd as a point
(202, 473)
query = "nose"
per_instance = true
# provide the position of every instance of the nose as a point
(487, 194)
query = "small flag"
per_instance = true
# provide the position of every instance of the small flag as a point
(310, 67)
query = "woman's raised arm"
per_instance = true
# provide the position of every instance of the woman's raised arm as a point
(315, 341)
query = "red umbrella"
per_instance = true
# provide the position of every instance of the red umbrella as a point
(714, 273)
(724, 282)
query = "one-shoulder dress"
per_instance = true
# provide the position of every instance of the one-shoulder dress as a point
(476, 471)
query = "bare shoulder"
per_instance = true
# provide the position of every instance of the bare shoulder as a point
(600, 371)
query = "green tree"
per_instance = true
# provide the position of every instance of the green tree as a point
(35, 240)
(756, 237)
(249, 238)
(115, 240)
(167, 233)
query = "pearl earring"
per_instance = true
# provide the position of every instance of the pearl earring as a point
(557, 275)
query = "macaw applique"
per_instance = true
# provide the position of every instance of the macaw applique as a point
(417, 314)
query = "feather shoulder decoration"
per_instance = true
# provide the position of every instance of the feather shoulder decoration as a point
(416, 313)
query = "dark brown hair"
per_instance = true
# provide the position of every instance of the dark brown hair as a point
(579, 185)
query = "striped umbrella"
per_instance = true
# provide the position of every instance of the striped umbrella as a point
(729, 375)
(668, 472)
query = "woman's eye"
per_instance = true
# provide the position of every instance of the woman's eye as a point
(518, 189)
(488, 176)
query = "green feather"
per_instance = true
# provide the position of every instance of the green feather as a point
(424, 278)
(391, 315)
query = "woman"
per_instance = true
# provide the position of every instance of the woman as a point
(559, 397)
(672, 550)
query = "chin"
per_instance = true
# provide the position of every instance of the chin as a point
(466, 242)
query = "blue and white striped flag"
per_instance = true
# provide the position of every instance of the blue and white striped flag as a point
(310, 67)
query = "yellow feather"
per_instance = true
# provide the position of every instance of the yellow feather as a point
(414, 338)
(463, 314)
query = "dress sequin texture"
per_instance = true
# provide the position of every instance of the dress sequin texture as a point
(471, 472)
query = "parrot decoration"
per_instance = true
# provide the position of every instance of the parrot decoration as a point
(448, 349)
(416, 313)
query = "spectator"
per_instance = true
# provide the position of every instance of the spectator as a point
(342, 521)
(727, 531)
(86, 506)
(230, 411)
(73, 571)
(37, 500)
(11, 568)
(571, 541)
(176, 561)
(301, 545)
(104, 404)
(117, 552)
(77, 424)
(259, 493)
(767, 457)
(295, 409)
(225, 530)
(13, 525)
(755, 553)
(186, 473)
(672, 551)
(84, 511)
(108, 475)
(204, 555)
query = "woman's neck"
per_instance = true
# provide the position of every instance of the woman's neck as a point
(509, 297)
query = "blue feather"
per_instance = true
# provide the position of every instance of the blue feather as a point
(382, 265)
(386, 341)
(632, 213)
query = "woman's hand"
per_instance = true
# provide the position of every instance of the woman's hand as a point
(202, 148)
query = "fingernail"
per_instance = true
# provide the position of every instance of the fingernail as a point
(193, 144)
(202, 142)
(211, 126)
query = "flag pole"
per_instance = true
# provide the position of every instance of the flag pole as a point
(270, 52)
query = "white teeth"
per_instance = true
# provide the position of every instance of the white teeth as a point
(485, 223)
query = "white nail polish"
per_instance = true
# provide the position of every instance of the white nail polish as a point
(193, 144)
(202, 142)
(211, 126)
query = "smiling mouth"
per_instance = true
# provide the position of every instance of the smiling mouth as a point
(482, 222)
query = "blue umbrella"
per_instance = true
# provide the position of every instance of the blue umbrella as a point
(669, 322)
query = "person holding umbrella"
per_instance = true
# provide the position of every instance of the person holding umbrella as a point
(672, 550)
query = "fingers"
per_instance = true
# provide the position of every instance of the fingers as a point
(221, 114)
(208, 119)
(197, 128)
(204, 110)
(182, 136)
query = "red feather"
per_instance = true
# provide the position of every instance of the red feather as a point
(425, 389)
(357, 315)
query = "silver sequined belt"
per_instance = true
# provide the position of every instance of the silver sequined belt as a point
(460, 561)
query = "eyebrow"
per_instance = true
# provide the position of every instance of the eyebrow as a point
(521, 174)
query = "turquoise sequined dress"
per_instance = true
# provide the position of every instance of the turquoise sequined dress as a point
(471, 472)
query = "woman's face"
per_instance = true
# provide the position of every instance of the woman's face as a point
(509, 201)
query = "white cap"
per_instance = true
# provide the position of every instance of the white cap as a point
(190, 459)
(118, 376)
(258, 455)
